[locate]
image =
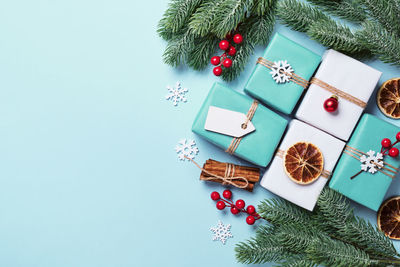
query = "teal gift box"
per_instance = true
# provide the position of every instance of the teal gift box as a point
(353, 176)
(258, 146)
(282, 96)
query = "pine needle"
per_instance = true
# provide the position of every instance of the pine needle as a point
(386, 12)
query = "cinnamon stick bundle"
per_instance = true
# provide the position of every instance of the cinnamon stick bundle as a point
(213, 170)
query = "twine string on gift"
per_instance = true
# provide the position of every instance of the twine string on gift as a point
(385, 168)
(249, 116)
(228, 178)
(326, 174)
(305, 84)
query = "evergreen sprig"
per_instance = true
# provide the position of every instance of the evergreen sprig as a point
(351, 10)
(386, 12)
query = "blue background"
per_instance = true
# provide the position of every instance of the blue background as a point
(88, 171)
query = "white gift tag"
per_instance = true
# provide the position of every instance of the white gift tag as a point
(227, 122)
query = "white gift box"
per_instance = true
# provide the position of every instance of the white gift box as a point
(276, 180)
(347, 75)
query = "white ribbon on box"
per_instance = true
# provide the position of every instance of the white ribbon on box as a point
(348, 75)
(276, 180)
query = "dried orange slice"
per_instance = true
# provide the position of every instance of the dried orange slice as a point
(389, 218)
(303, 162)
(388, 98)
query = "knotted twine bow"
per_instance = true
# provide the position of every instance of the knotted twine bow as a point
(236, 141)
(305, 84)
(228, 177)
(391, 170)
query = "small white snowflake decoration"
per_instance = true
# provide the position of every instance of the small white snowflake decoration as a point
(280, 71)
(176, 94)
(371, 162)
(186, 148)
(221, 232)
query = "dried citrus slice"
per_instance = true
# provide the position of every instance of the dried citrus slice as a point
(303, 162)
(389, 218)
(388, 98)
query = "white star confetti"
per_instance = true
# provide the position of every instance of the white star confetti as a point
(280, 71)
(176, 94)
(221, 232)
(371, 162)
(186, 149)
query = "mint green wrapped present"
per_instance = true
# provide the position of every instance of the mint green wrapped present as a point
(365, 170)
(282, 74)
(239, 125)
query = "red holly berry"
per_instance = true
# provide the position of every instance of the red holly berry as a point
(215, 60)
(217, 71)
(386, 143)
(227, 194)
(251, 209)
(224, 45)
(331, 104)
(238, 38)
(227, 63)
(250, 220)
(398, 136)
(232, 51)
(220, 205)
(393, 152)
(235, 210)
(215, 195)
(228, 36)
(240, 203)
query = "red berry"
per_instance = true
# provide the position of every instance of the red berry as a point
(227, 194)
(386, 143)
(220, 205)
(240, 203)
(228, 36)
(235, 210)
(398, 136)
(393, 152)
(224, 45)
(215, 195)
(217, 71)
(215, 60)
(238, 38)
(227, 63)
(232, 51)
(251, 209)
(331, 104)
(250, 220)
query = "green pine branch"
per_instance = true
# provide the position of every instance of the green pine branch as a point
(386, 12)
(202, 20)
(177, 49)
(260, 7)
(198, 56)
(259, 28)
(351, 10)
(178, 14)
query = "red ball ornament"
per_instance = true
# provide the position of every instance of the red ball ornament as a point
(386, 143)
(251, 209)
(240, 203)
(220, 205)
(224, 45)
(215, 195)
(235, 210)
(232, 51)
(331, 104)
(215, 60)
(227, 63)
(227, 194)
(398, 136)
(217, 71)
(393, 152)
(238, 38)
(250, 220)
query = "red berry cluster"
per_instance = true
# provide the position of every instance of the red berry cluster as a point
(237, 207)
(225, 59)
(388, 148)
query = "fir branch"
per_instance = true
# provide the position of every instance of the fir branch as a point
(258, 28)
(177, 49)
(202, 20)
(386, 12)
(262, 7)
(351, 10)
(178, 13)
(383, 44)
(240, 60)
(299, 16)
(198, 56)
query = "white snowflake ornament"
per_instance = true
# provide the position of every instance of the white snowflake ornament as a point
(186, 149)
(371, 163)
(221, 232)
(176, 94)
(280, 71)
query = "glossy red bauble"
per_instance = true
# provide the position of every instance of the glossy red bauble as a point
(215, 60)
(217, 71)
(224, 45)
(238, 38)
(232, 51)
(393, 152)
(227, 63)
(331, 104)
(250, 220)
(398, 136)
(227, 194)
(215, 196)
(240, 203)
(386, 143)
(251, 209)
(220, 205)
(235, 210)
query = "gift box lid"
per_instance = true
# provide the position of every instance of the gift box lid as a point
(276, 180)
(366, 188)
(282, 96)
(256, 147)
